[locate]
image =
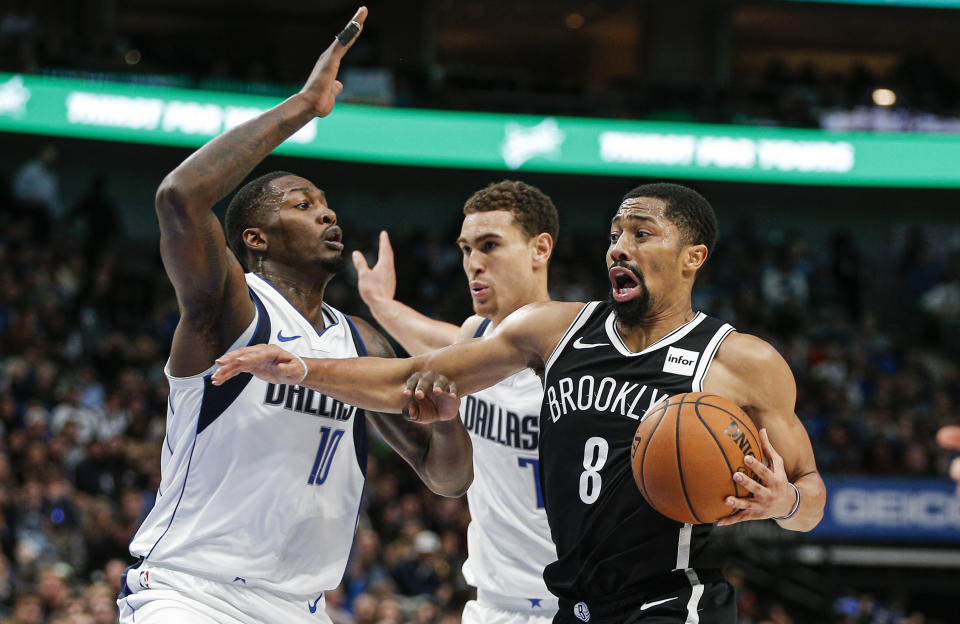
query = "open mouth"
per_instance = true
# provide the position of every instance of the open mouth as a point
(625, 283)
(333, 238)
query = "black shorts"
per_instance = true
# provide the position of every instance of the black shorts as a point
(715, 604)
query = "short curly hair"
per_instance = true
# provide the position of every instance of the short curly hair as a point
(532, 208)
(246, 211)
(687, 209)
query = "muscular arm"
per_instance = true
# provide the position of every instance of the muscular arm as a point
(440, 453)
(524, 339)
(750, 372)
(211, 291)
(417, 333)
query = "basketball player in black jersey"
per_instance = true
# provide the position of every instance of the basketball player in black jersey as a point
(603, 365)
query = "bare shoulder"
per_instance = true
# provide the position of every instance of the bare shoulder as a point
(751, 372)
(469, 327)
(377, 344)
(749, 354)
(540, 326)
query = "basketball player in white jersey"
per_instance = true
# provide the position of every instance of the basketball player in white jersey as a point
(506, 239)
(618, 560)
(261, 482)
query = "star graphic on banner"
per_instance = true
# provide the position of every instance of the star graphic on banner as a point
(535, 602)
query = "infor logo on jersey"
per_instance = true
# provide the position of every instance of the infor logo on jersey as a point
(680, 361)
(581, 611)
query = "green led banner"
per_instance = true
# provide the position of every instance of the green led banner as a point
(188, 118)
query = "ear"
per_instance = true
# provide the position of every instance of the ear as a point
(693, 257)
(255, 239)
(542, 247)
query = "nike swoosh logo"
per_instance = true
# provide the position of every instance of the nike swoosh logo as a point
(313, 607)
(579, 344)
(283, 338)
(647, 605)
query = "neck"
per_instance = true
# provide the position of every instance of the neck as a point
(655, 325)
(537, 294)
(306, 295)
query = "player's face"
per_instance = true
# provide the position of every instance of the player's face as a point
(643, 260)
(498, 259)
(302, 229)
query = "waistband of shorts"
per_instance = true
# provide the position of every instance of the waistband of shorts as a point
(609, 605)
(546, 606)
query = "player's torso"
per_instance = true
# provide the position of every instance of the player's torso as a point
(262, 482)
(609, 540)
(509, 541)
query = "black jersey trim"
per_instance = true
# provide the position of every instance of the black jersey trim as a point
(481, 328)
(669, 339)
(707, 358)
(578, 322)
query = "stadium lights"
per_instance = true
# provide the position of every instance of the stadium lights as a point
(884, 97)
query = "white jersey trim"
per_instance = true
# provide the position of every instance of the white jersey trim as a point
(670, 338)
(708, 354)
(197, 380)
(579, 321)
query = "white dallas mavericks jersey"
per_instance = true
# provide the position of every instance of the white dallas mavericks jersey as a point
(508, 540)
(261, 483)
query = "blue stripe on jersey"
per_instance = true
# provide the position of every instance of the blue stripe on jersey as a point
(216, 399)
(124, 588)
(360, 418)
(482, 327)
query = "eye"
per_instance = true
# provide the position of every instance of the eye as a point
(465, 249)
(642, 233)
(303, 206)
(614, 237)
(487, 246)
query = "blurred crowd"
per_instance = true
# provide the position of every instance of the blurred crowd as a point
(86, 318)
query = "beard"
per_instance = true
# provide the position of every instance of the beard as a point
(334, 265)
(631, 313)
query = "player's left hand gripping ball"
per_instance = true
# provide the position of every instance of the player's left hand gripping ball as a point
(771, 497)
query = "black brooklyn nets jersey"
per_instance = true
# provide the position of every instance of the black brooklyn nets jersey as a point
(611, 545)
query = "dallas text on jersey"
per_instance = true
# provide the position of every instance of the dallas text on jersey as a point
(306, 401)
(496, 424)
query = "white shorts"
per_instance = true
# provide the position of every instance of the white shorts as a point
(156, 595)
(491, 608)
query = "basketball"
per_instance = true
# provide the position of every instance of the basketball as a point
(686, 451)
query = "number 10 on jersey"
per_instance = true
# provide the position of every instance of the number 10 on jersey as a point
(329, 441)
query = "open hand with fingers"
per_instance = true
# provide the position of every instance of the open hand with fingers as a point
(433, 397)
(268, 362)
(379, 283)
(322, 87)
(772, 496)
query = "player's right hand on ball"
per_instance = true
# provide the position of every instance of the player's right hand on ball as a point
(322, 87)
(431, 398)
(267, 362)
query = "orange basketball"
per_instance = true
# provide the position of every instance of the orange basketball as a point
(686, 451)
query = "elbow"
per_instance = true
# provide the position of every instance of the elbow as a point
(171, 196)
(455, 485)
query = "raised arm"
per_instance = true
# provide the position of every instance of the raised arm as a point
(752, 374)
(211, 291)
(524, 339)
(440, 452)
(417, 332)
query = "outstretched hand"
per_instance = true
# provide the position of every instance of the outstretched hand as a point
(432, 397)
(322, 87)
(772, 496)
(949, 438)
(377, 284)
(267, 362)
